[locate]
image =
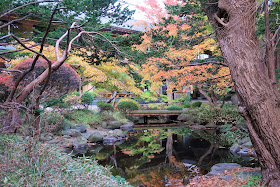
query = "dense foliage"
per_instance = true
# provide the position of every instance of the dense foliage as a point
(105, 106)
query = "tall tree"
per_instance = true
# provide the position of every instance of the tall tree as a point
(234, 24)
(72, 20)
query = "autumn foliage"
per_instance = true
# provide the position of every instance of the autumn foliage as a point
(173, 56)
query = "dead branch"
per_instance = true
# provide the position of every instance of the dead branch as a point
(13, 51)
(10, 70)
(15, 20)
(205, 63)
(25, 5)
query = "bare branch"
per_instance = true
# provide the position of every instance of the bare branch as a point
(219, 20)
(13, 51)
(15, 20)
(11, 70)
(28, 48)
(25, 5)
(275, 35)
(205, 63)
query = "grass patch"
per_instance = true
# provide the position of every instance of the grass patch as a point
(81, 116)
(26, 162)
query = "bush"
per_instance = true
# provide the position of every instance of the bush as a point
(104, 106)
(129, 100)
(52, 121)
(226, 115)
(26, 162)
(196, 104)
(80, 116)
(187, 105)
(174, 108)
(127, 105)
(88, 98)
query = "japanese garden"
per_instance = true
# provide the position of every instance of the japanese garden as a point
(144, 93)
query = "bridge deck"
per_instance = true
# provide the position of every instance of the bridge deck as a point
(155, 112)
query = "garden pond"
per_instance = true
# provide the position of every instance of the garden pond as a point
(154, 156)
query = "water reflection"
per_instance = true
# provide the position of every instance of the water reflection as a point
(146, 150)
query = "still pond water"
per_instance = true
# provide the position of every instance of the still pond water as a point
(153, 156)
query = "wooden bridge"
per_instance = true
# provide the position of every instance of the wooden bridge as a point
(149, 113)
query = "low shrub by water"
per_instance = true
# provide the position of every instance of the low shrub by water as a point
(196, 104)
(26, 162)
(174, 108)
(127, 105)
(104, 106)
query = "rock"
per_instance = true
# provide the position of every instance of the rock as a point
(248, 145)
(186, 181)
(247, 174)
(226, 178)
(235, 148)
(244, 140)
(127, 126)
(104, 124)
(82, 128)
(95, 148)
(242, 148)
(119, 133)
(189, 161)
(81, 140)
(211, 125)
(95, 137)
(245, 152)
(114, 124)
(72, 132)
(55, 141)
(221, 167)
(110, 139)
(198, 127)
(46, 136)
(184, 117)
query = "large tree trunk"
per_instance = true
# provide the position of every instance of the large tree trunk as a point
(234, 23)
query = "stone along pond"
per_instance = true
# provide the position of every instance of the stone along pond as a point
(157, 156)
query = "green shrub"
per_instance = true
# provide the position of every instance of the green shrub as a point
(129, 100)
(127, 106)
(59, 102)
(81, 116)
(52, 121)
(218, 116)
(88, 98)
(187, 105)
(196, 104)
(254, 181)
(104, 106)
(174, 108)
(26, 162)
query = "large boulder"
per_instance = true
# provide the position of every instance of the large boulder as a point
(222, 167)
(185, 117)
(127, 126)
(95, 137)
(72, 132)
(82, 128)
(243, 147)
(113, 124)
(118, 133)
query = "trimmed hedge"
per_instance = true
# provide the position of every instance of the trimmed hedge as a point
(174, 108)
(196, 104)
(104, 106)
(126, 105)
